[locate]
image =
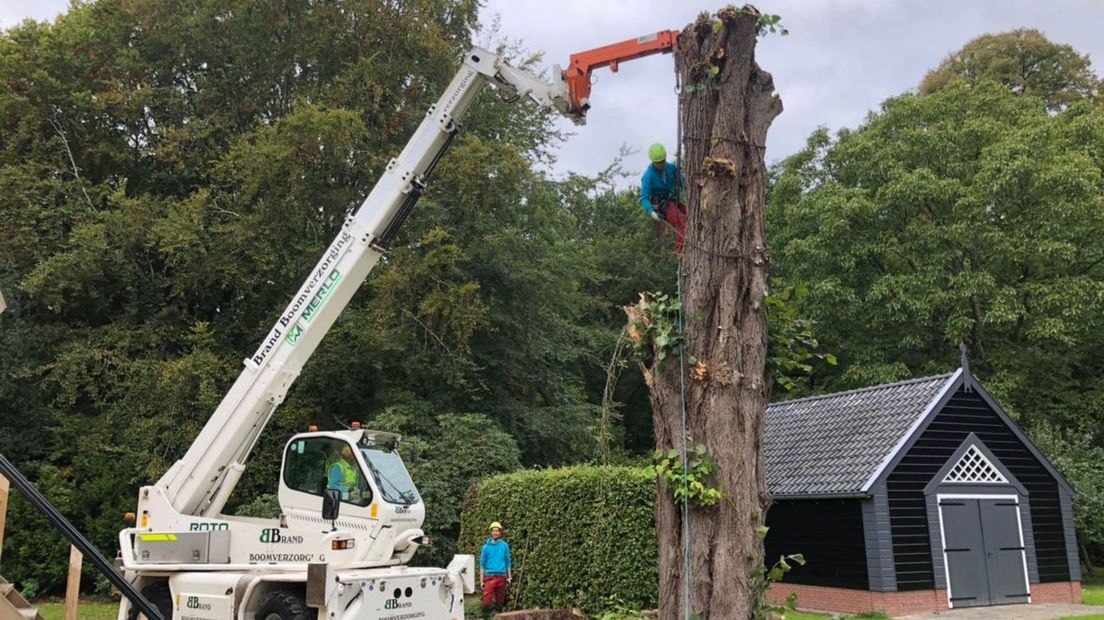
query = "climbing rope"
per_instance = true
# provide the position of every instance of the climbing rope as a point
(680, 186)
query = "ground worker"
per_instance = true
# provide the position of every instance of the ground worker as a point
(343, 474)
(495, 570)
(659, 193)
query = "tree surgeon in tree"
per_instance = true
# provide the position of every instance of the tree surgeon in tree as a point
(659, 193)
(726, 105)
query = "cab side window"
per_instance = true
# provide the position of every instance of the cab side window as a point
(311, 465)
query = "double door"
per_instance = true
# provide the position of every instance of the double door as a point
(984, 551)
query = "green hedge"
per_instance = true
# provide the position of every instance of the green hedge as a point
(580, 536)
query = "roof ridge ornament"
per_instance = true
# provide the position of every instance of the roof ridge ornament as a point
(964, 362)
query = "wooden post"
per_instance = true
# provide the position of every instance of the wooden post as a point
(4, 486)
(72, 584)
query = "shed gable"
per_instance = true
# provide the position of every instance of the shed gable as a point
(964, 413)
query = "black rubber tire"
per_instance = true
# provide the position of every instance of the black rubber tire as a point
(159, 594)
(286, 605)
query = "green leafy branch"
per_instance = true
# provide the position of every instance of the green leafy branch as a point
(689, 484)
(770, 23)
(762, 578)
(657, 334)
(792, 345)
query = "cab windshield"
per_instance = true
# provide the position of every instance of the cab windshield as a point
(390, 474)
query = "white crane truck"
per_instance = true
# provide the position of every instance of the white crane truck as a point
(332, 554)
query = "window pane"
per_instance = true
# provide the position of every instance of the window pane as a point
(314, 464)
(387, 467)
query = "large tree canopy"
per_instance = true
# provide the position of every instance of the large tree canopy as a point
(970, 214)
(169, 172)
(1026, 62)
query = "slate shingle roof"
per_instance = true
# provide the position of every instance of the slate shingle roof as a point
(833, 443)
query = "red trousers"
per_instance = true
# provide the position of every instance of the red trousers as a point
(494, 590)
(675, 214)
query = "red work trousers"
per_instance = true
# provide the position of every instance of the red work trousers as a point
(675, 214)
(494, 590)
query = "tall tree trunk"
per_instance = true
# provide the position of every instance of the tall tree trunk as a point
(727, 104)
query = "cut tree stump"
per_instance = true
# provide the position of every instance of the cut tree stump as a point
(727, 103)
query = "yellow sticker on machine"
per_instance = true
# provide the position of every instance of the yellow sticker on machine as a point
(157, 537)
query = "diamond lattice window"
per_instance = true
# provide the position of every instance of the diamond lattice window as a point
(974, 467)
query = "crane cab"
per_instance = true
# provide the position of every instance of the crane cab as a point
(364, 471)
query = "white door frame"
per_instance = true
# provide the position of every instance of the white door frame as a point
(943, 537)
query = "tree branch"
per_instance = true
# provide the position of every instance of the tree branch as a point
(76, 171)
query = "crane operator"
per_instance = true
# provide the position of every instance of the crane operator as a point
(344, 475)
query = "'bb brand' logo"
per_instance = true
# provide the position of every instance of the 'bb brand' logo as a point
(272, 535)
(193, 602)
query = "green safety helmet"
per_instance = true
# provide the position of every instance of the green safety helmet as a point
(656, 152)
(496, 526)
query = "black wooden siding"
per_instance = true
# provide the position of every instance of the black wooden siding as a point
(966, 412)
(829, 533)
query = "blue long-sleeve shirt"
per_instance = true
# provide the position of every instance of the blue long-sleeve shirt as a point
(495, 558)
(658, 185)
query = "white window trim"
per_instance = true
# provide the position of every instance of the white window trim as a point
(943, 537)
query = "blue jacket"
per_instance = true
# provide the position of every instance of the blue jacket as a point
(658, 185)
(495, 559)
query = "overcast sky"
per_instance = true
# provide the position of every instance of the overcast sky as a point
(841, 59)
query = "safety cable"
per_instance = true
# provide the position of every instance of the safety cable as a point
(680, 185)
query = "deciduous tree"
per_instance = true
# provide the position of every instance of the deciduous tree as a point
(1024, 61)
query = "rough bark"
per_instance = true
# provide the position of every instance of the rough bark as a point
(725, 114)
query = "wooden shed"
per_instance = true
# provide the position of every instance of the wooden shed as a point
(921, 495)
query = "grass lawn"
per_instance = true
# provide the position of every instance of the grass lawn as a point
(87, 610)
(1092, 593)
(811, 616)
(1093, 589)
